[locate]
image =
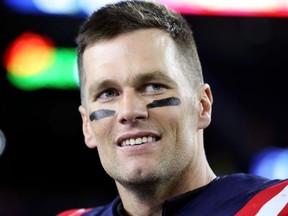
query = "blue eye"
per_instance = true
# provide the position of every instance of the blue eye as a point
(154, 87)
(108, 94)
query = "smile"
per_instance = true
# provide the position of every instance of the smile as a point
(137, 141)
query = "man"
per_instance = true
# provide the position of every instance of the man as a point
(144, 106)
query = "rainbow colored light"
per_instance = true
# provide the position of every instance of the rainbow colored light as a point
(33, 61)
(274, 8)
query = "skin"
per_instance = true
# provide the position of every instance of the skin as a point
(103, 113)
(125, 74)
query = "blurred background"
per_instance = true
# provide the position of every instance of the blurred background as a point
(45, 167)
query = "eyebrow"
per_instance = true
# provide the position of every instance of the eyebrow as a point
(100, 85)
(136, 79)
(154, 76)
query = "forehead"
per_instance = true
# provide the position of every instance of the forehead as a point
(141, 51)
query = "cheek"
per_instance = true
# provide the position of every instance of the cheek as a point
(104, 148)
(178, 133)
(102, 132)
(183, 123)
(170, 119)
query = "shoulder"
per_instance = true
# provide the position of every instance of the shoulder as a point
(270, 197)
(74, 212)
(97, 211)
(103, 210)
(240, 194)
(238, 183)
(229, 194)
(247, 180)
(251, 194)
(242, 184)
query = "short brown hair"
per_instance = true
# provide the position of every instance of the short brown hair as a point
(127, 16)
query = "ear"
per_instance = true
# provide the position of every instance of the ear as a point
(87, 129)
(205, 109)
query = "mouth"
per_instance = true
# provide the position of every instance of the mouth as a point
(138, 141)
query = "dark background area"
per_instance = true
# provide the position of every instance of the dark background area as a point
(46, 166)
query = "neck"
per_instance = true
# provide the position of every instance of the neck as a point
(148, 199)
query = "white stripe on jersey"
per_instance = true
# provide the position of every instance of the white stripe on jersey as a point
(274, 206)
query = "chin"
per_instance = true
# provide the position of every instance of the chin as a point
(141, 184)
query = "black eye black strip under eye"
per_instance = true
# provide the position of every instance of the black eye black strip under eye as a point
(171, 101)
(99, 114)
(103, 113)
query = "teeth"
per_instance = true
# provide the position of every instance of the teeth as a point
(137, 141)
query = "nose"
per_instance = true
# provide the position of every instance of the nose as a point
(133, 108)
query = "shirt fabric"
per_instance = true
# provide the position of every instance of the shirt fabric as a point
(236, 194)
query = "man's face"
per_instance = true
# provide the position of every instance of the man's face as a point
(141, 114)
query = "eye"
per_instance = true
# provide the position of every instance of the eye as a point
(154, 88)
(109, 93)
